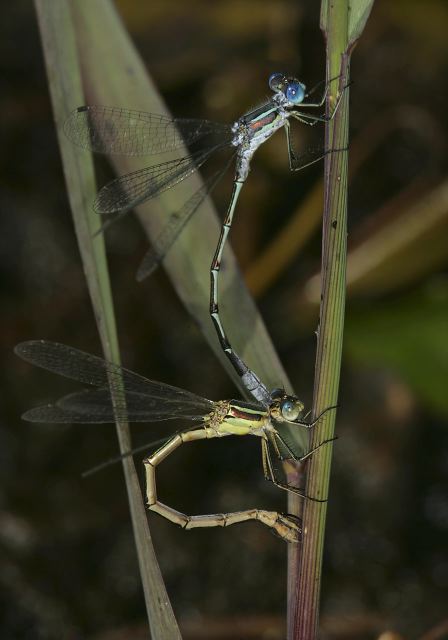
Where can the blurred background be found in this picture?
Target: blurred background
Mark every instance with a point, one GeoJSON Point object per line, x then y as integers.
{"type": "Point", "coordinates": [67, 558]}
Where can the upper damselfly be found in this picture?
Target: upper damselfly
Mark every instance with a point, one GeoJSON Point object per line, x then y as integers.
{"type": "Point", "coordinates": [121, 395]}
{"type": "Point", "coordinates": [113, 130]}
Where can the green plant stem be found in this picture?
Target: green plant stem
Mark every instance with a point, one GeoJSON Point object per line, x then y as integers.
{"type": "Point", "coordinates": [305, 621]}
{"type": "Point", "coordinates": [342, 23]}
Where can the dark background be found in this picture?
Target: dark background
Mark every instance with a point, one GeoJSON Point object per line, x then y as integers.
{"type": "Point", "coordinates": [67, 559]}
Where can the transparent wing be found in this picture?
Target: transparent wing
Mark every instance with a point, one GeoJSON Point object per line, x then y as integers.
{"type": "Point", "coordinates": [124, 193]}
{"type": "Point", "coordinates": [113, 130]}
{"type": "Point", "coordinates": [52, 414]}
{"type": "Point", "coordinates": [178, 220]}
{"type": "Point", "coordinates": [135, 398]}
{"type": "Point", "coordinates": [97, 407]}
{"type": "Point", "coordinates": [129, 405]}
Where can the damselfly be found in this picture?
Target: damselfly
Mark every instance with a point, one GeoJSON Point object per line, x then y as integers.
{"type": "Point", "coordinates": [113, 130]}
{"type": "Point", "coordinates": [120, 394]}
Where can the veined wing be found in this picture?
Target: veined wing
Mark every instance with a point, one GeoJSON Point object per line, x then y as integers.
{"type": "Point", "coordinates": [175, 225]}
{"type": "Point", "coordinates": [132, 392]}
{"type": "Point", "coordinates": [124, 193]}
{"type": "Point", "coordinates": [113, 130]}
{"type": "Point", "coordinates": [52, 414]}
{"type": "Point", "coordinates": [97, 406]}
{"type": "Point", "coordinates": [133, 406]}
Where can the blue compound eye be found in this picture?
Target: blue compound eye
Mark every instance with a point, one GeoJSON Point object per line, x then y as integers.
{"type": "Point", "coordinates": [275, 80]}
{"type": "Point", "coordinates": [295, 92]}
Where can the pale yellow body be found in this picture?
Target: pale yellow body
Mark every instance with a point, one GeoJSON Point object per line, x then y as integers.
{"type": "Point", "coordinates": [226, 419]}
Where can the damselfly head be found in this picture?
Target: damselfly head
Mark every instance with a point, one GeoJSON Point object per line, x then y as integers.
{"type": "Point", "coordinates": [285, 408]}
{"type": "Point", "coordinates": [292, 90]}
{"type": "Point", "coordinates": [291, 408]}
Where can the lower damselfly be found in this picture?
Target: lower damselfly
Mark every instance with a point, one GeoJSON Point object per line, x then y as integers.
{"type": "Point", "coordinates": [120, 131]}
{"type": "Point", "coordinates": [121, 395]}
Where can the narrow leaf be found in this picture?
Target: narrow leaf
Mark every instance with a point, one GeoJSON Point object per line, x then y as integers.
{"type": "Point", "coordinates": [58, 38]}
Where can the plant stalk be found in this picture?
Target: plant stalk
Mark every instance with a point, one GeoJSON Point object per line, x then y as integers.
{"type": "Point", "coordinates": [304, 621]}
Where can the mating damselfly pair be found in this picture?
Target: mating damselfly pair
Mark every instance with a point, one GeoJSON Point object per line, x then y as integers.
{"type": "Point", "coordinates": [123, 395]}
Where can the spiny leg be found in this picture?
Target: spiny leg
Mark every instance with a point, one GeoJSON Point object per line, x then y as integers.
{"type": "Point", "coordinates": [250, 380]}
{"type": "Point", "coordinates": [269, 471]}
{"type": "Point", "coordinates": [323, 98]}
{"type": "Point", "coordinates": [293, 158]}
{"type": "Point", "coordinates": [310, 118]}
{"type": "Point", "coordinates": [314, 449]}
{"type": "Point", "coordinates": [274, 436]}
{"type": "Point", "coordinates": [312, 423]}
{"type": "Point", "coordinates": [268, 466]}
{"type": "Point", "coordinates": [324, 95]}
{"type": "Point", "coordinates": [284, 526]}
